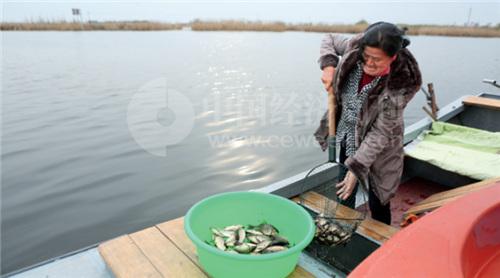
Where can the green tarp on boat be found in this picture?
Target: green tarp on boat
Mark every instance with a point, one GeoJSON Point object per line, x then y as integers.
{"type": "Point", "coordinates": [467, 151]}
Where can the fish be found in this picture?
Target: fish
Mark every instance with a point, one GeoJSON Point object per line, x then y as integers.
{"type": "Point", "coordinates": [233, 228]}
{"type": "Point", "coordinates": [268, 229]}
{"type": "Point", "coordinates": [263, 238]}
{"type": "Point", "coordinates": [330, 233]}
{"type": "Point", "coordinates": [333, 228]}
{"type": "Point", "coordinates": [261, 246]}
{"type": "Point", "coordinates": [321, 222]}
{"type": "Point", "coordinates": [230, 241]}
{"type": "Point", "coordinates": [273, 249]}
{"type": "Point", "coordinates": [279, 240]}
{"type": "Point", "coordinates": [244, 248]}
{"type": "Point", "coordinates": [254, 240]}
{"type": "Point", "coordinates": [241, 235]}
{"type": "Point", "coordinates": [254, 232]}
{"type": "Point", "coordinates": [219, 242]}
{"type": "Point", "coordinates": [227, 233]}
{"type": "Point", "coordinates": [216, 232]}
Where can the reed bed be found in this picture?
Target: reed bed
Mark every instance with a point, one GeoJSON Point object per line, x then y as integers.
{"type": "Point", "coordinates": [234, 25]}
{"type": "Point", "coordinates": [454, 31]}
{"type": "Point", "coordinates": [237, 25]}
{"type": "Point", "coordinates": [90, 26]}
{"type": "Point", "coordinates": [430, 30]}
{"type": "Point", "coordinates": [326, 28]}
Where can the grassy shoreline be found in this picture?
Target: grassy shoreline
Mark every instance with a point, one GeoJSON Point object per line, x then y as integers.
{"type": "Point", "coordinates": [90, 26]}
{"type": "Point", "coordinates": [234, 25]}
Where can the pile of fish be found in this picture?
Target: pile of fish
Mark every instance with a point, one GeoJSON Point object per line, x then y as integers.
{"type": "Point", "coordinates": [330, 233]}
{"type": "Point", "coordinates": [254, 240]}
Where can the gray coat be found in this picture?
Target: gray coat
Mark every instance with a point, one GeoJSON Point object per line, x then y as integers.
{"type": "Point", "coordinates": [380, 127]}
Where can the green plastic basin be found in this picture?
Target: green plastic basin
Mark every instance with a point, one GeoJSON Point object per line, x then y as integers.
{"type": "Point", "coordinates": [245, 208]}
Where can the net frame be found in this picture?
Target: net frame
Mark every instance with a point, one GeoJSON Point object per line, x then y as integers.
{"type": "Point", "coordinates": [333, 212]}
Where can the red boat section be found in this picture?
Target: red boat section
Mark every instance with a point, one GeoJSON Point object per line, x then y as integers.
{"type": "Point", "coordinates": [460, 239]}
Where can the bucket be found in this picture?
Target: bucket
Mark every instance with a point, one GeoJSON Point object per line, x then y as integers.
{"type": "Point", "coordinates": [248, 208]}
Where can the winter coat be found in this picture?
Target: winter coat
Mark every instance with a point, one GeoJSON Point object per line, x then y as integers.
{"type": "Point", "coordinates": [380, 126]}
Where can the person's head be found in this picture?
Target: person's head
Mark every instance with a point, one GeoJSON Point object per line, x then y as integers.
{"type": "Point", "coordinates": [380, 45]}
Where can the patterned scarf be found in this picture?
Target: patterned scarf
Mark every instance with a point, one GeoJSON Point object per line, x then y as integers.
{"type": "Point", "coordinates": [352, 101]}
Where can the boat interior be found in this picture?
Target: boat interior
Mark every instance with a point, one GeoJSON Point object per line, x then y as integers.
{"type": "Point", "coordinates": [424, 186]}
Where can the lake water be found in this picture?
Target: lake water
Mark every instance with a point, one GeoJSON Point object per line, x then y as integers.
{"type": "Point", "coordinates": [105, 133]}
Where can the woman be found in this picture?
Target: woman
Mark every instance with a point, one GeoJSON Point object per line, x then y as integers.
{"type": "Point", "coordinates": [375, 79]}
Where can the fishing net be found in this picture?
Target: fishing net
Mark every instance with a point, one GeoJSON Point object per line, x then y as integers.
{"type": "Point", "coordinates": [335, 223]}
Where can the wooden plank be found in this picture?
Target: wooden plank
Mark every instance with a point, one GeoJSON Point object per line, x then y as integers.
{"type": "Point", "coordinates": [126, 259]}
{"type": "Point", "coordinates": [459, 191]}
{"type": "Point", "coordinates": [482, 102]}
{"type": "Point", "coordinates": [419, 209]}
{"type": "Point", "coordinates": [174, 230]}
{"type": "Point", "coordinates": [368, 227]}
{"type": "Point", "coordinates": [299, 272]}
{"type": "Point", "coordinates": [164, 255]}
{"type": "Point", "coordinates": [439, 199]}
{"type": "Point", "coordinates": [320, 202]}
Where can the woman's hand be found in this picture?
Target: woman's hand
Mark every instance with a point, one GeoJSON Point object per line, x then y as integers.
{"type": "Point", "coordinates": [327, 77]}
{"type": "Point", "coordinates": [345, 187]}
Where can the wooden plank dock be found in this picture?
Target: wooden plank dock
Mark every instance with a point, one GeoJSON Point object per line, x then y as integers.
{"type": "Point", "coordinates": [163, 250]}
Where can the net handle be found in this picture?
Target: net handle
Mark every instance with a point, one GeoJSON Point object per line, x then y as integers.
{"type": "Point", "coordinates": [332, 110]}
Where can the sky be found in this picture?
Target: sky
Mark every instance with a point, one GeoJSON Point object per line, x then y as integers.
{"type": "Point", "coordinates": [411, 12]}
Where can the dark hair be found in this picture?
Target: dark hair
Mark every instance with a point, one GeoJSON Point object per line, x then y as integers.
{"type": "Point", "coordinates": [386, 36]}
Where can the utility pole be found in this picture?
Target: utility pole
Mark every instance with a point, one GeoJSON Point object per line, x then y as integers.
{"type": "Point", "coordinates": [77, 14]}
